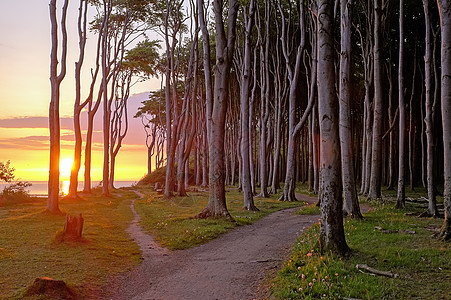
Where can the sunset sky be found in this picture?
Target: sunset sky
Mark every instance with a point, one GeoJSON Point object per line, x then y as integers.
{"type": "Point", "coordinates": [25, 96]}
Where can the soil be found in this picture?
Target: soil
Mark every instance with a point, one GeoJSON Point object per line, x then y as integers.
{"type": "Point", "coordinates": [233, 266]}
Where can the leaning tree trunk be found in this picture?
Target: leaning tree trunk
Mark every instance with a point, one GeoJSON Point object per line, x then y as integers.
{"type": "Point", "coordinates": [351, 203]}
{"type": "Point", "coordinates": [432, 205]}
{"type": "Point", "coordinates": [402, 114]}
{"type": "Point", "coordinates": [445, 25]}
{"type": "Point", "coordinates": [332, 235]}
{"type": "Point", "coordinates": [376, 155]}
{"type": "Point", "coordinates": [54, 119]}
{"type": "Point", "coordinates": [225, 44]}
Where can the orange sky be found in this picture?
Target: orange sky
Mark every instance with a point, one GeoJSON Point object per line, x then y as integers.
{"type": "Point", "coordinates": [25, 96]}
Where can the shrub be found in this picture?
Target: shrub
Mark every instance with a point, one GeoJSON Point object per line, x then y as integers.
{"type": "Point", "coordinates": [16, 191]}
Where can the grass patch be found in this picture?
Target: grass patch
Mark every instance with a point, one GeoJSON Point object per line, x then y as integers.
{"type": "Point", "coordinates": [28, 248]}
{"type": "Point", "coordinates": [312, 209]}
{"type": "Point", "coordinates": [421, 261]}
{"type": "Point", "coordinates": [171, 221]}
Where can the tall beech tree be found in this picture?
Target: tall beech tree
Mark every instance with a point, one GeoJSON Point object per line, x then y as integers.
{"type": "Point", "coordinates": [376, 155]}
{"type": "Point", "coordinates": [332, 235]}
{"type": "Point", "coordinates": [402, 113]}
{"type": "Point", "coordinates": [248, 16]}
{"type": "Point", "coordinates": [172, 25]}
{"type": "Point", "coordinates": [78, 105]}
{"type": "Point", "coordinates": [225, 43]}
{"type": "Point", "coordinates": [444, 7]}
{"type": "Point", "coordinates": [293, 78]}
{"type": "Point", "coordinates": [54, 118]}
{"type": "Point", "coordinates": [432, 203]}
{"type": "Point", "coordinates": [351, 204]}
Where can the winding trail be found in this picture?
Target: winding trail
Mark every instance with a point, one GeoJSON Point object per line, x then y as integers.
{"type": "Point", "coordinates": [232, 266]}
{"type": "Point", "coordinates": [149, 247]}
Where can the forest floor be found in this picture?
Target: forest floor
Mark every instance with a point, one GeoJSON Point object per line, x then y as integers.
{"type": "Point", "coordinates": [233, 266]}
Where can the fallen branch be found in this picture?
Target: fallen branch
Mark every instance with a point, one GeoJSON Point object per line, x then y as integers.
{"type": "Point", "coordinates": [395, 231]}
{"type": "Point", "coordinates": [376, 272]}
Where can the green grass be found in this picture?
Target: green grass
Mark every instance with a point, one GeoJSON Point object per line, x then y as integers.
{"type": "Point", "coordinates": [421, 261]}
{"type": "Point", "coordinates": [28, 249]}
{"type": "Point", "coordinates": [171, 221]}
{"type": "Point", "coordinates": [312, 209]}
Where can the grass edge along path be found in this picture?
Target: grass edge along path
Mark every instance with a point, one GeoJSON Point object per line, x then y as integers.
{"type": "Point", "coordinates": [388, 240]}
{"type": "Point", "coordinates": [171, 222]}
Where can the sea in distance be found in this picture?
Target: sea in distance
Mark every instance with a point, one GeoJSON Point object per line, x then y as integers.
{"type": "Point", "coordinates": [39, 188]}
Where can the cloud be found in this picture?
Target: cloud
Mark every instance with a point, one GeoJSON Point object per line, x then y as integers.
{"type": "Point", "coordinates": [26, 143]}
{"type": "Point", "coordinates": [34, 122]}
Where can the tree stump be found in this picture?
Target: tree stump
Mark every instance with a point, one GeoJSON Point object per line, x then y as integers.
{"type": "Point", "coordinates": [50, 288]}
{"type": "Point", "coordinates": [73, 228]}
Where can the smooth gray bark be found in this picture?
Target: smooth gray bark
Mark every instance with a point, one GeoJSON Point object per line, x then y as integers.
{"type": "Point", "coordinates": [331, 229]}
{"type": "Point", "coordinates": [445, 25]}
{"type": "Point", "coordinates": [402, 115]}
{"type": "Point", "coordinates": [244, 109]}
{"type": "Point", "coordinates": [225, 44]}
{"type": "Point", "coordinates": [376, 155]}
{"type": "Point", "coordinates": [293, 127]}
{"type": "Point", "coordinates": [264, 100]}
{"type": "Point", "coordinates": [432, 203]}
{"type": "Point", "coordinates": [351, 203]}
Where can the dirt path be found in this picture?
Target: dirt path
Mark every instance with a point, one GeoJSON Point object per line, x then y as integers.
{"type": "Point", "coordinates": [229, 267]}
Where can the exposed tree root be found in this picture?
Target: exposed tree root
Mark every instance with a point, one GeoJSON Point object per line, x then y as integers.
{"type": "Point", "coordinates": [429, 214]}
{"type": "Point", "coordinates": [288, 197]}
{"type": "Point", "coordinates": [445, 233]}
{"type": "Point", "coordinates": [251, 208]}
{"type": "Point", "coordinates": [208, 213]}
{"type": "Point", "coordinates": [353, 215]}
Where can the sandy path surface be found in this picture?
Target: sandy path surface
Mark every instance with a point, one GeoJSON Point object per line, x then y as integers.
{"type": "Point", "coordinates": [232, 266]}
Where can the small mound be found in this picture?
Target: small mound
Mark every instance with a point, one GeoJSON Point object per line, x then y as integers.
{"type": "Point", "coordinates": [157, 176]}
{"type": "Point", "coordinates": [51, 289]}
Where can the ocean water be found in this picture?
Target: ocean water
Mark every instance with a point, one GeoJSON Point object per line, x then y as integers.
{"type": "Point", "coordinates": [40, 188]}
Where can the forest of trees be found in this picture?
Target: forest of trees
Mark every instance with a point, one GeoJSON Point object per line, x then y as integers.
{"type": "Point", "coordinates": [348, 96]}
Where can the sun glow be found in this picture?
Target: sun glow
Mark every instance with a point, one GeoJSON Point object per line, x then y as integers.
{"type": "Point", "coordinates": [65, 187]}
{"type": "Point", "coordinates": [65, 168]}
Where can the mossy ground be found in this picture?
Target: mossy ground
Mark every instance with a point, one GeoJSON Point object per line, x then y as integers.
{"type": "Point", "coordinates": [420, 259]}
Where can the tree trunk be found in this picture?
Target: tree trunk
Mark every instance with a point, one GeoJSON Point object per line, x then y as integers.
{"type": "Point", "coordinates": [391, 145]}
{"type": "Point", "coordinates": [412, 126]}
{"type": "Point", "coordinates": [217, 206]}
{"type": "Point", "coordinates": [351, 203]}
{"type": "Point", "coordinates": [402, 114]}
{"type": "Point", "coordinates": [331, 230]}
{"type": "Point", "coordinates": [376, 155]}
{"type": "Point", "coordinates": [106, 107]}
{"type": "Point", "coordinates": [82, 19]}
{"type": "Point", "coordinates": [244, 110]}
{"type": "Point", "coordinates": [432, 205]}
{"type": "Point", "coordinates": [445, 25]}
{"type": "Point", "coordinates": [293, 128]}
{"type": "Point", "coordinates": [264, 107]}
{"type": "Point", "coordinates": [54, 119]}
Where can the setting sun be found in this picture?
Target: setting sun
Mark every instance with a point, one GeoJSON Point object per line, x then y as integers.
{"type": "Point", "coordinates": [65, 167]}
